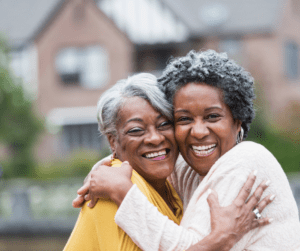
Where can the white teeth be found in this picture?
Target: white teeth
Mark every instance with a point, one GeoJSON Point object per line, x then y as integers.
{"type": "Point", "coordinates": [155, 154]}
{"type": "Point", "coordinates": [204, 153]}
{"type": "Point", "coordinates": [202, 148]}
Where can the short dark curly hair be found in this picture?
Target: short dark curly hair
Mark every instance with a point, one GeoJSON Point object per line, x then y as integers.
{"type": "Point", "coordinates": [214, 69]}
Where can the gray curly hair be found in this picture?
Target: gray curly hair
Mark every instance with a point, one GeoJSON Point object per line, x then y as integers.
{"type": "Point", "coordinates": [143, 85]}
{"type": "Point", "coordinates": [214, 69]}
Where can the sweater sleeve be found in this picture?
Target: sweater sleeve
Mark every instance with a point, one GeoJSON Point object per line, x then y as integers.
{"type": "Point", "coordinates": [152, 231]}
{"type": "Point", "coordinates": [227, 177]}
{"type": "Point", "coordinates": [148, 228]}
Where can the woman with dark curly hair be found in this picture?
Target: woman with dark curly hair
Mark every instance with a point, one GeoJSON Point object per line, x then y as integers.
{"type": "Point", "coordinates": [212, 101]}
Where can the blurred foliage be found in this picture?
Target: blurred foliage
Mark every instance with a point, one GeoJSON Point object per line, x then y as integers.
{"type": "Point", "coordinates": [19, 126]}
{"type": "Point", "coordinates": [283, 144]}
{"type": "Point", "coordinates": [77, 164]}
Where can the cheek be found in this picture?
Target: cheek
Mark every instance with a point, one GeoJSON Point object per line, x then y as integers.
{"type": "Point", "coordinates": [180, 134]}
{"type": "Point", "coordinates": [228, 137]}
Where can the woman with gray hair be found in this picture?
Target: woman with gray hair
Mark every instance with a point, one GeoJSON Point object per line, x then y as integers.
{"type": "Point", "coordinates": [136, 118]}
{"type": "Point", "coordinates": [212, 100]}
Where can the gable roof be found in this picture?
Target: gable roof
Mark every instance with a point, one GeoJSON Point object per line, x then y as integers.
{"type": "Point", "coordinates": [227, 17]}
{"type": "Point", "coordinates": [20, 20]}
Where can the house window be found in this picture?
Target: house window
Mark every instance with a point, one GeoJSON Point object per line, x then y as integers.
{"type": "Point", "coordinates": [150, 59]}
{"type": "Point", "coordinates": [84, 136]}
{"type": "Point", "coordinates": [83, 66]}
{"type": "Point", "coordinates": [291, 60]}
{"type": "Point", "coordinates": [296, 7]}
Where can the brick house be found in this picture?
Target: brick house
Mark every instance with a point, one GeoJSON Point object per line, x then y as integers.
{"type": "Point", "coordinates": [65, 40]}
{"type": "Point", "coordinates": [263, 36]}
{"type": "Point", "coordinates": [71, 52]}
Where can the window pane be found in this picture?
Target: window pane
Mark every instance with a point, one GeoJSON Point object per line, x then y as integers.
{"type": "Point", "coordinates": [85, 66]}
{"type": "Point", "coordinates": [82, 136]}
{"type": "Point", "coordinates": [291, 60]}
{"type": "Point", "coordinates": [67, 61]}
{"type": "Point", "coordinates": [95, 68]}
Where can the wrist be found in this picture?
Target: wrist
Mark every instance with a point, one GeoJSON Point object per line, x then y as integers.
{"type": "Point", "coordinates": [119, 194]}
{"type": "Point", "coordinates": [223, 241]}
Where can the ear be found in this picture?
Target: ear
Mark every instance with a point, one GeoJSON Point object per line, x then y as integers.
{"type": "Point", "coordinates": [238, 124]}
{"type": "Point", "coordinates": [112, 139]}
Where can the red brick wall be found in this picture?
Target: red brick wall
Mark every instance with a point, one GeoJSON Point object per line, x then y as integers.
{"type": "Point", "coordinates": [77, 23]}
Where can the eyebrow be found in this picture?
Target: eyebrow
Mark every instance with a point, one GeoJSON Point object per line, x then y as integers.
{"type": "Point", "coordinates": [207, 109]}
{"type": "Point", "coordinates": [181, 110]}
{"type": "Point", "coordinates": [134, 119]}
{"type": "Point", "coordinates": [139, 120]}
{"type": "Point", "coordinates": [213, 107]}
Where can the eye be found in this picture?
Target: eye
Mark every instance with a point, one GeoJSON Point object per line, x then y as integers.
{"type": "Point", "coordinates": [213, 116]}
{"type": "Point", "coordinates": [135, 131]}
{"type": "Point", "coordinates": [183, 119]}
{"type": "Point", "coordinates": [165, 124]}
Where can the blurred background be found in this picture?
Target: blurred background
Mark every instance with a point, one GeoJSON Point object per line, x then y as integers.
{"type": "Point", "coordinates": [58, 56]}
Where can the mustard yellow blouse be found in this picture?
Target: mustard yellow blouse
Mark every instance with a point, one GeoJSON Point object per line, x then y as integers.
{"type": "Point", "coordinates": [96, 230]}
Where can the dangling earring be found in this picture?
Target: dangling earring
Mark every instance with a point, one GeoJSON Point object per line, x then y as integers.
{"type": "Point", "coordinates": [240, 136]}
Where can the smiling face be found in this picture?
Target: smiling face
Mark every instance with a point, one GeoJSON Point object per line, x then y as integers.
{"type": "Point", "coordinates": [146, 139]}
{"type": "Point", "coordinates": [204, 126]}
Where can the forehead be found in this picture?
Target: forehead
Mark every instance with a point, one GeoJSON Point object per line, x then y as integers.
{"type": "Point", "coordinates": [198, 93]}
{"type": "Point", "coordinates": [136, 107]}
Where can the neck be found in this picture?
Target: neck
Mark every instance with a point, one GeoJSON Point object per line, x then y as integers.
{"type": "Point", "coordinates": [159, 186]}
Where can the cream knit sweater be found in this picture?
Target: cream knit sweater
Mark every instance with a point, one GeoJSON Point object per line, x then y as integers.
{"type": "Point", "coordinates": [152, 231]}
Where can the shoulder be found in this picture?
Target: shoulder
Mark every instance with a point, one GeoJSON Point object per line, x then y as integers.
{"type": "Point", "coordinates": [247, 152]}
{"type": "Point", "coordinates": [245, 157]}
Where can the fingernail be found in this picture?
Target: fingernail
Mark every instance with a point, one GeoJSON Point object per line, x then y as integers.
{"type": "Point", "coordinates": [85, 197]}
{"type": "Point", "coordinates": [89, 205]}
{"type": "Point", "coordinates": [126, 162]}
{"type": "Point", "coordinates": [272, 197]}
{"type": "Point", "coordinates": [208, 191]}
{"type": "Point", "coordinates": [271, 220]}
{"type": "Point", "coordinates": [255, 173]}
{"type": "Point", "coordinates": [268, 182]}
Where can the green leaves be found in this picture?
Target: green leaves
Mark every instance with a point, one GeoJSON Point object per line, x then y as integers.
{"type": "Point", "coordinates": [19, 126]}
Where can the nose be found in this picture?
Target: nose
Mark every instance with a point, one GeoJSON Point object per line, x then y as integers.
{"type": "Point", "coordinates": [199, 129]}
{"type": "Point", "coordinates": [154, 137]}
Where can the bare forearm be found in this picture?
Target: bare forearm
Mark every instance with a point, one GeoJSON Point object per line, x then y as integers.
{"type": "Point", "coordinates": [213, 242]}
{"type": "Point", "coordinates": [119, 194]}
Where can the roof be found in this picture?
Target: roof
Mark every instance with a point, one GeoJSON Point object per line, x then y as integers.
{"type": "Point", "coordinates": [224, 17]}
{"type": "Point", "coordinates": [20, 20]}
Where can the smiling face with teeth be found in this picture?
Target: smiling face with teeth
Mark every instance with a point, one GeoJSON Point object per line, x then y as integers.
{"type": "Point", "coordinates": [204, 125]}
{"type": "Point", "coordinates": [146, 139]}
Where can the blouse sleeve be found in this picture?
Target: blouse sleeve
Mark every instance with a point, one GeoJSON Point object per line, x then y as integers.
{"type": "Point", "coordinates": [148, 228]}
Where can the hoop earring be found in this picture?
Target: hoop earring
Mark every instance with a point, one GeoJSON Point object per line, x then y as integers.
{"type": "Point", "coordinates": [240, 136]}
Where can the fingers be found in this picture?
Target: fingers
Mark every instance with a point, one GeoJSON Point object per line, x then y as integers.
{"type": "Point", "coordinates": [212, 199]}
{"type": "Point", "coordinates": [266, 201]}
{"type": "Point", "coordinates": [246, 189]}
{"type": "Point", "coordinates": [255, 197]}
{"type": "Point", "coordinates": [87, 197]}
{"type": "Point", "coordinates": [84, 189]}
{"type": "Point", "coordinates": [78, 202]}
{"type": "Point", "coordinates": [261, 222]}
{"type": "Point", "coordinates": [92, 203]}
{"type": "Point", "coordinates": [126, 164]}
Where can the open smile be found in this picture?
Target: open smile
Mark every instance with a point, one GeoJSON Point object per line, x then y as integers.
{"type": "Point", "coordinates": [204, 151]}
{"type": "Point", "coordinates": [157, 155]}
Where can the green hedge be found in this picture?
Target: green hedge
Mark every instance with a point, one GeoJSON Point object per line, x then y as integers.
{"type": "Point", "coordinates": [285, 148]}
